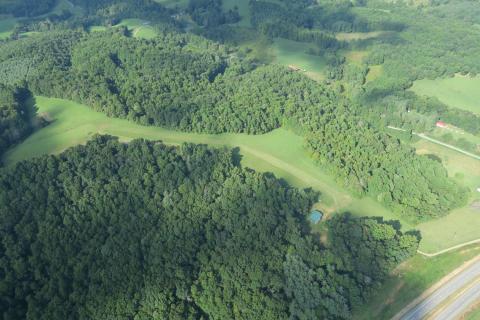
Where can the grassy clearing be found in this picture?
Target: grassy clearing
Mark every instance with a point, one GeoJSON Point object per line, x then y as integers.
{"type": "Point", "coordinates": [139, 28]}
{"type": "Point", "coordinates": [243, 9]}
{"type": "Point", "coordinates": [352, 36]}
{"type": "Point", "coordinates": [462, 224]}
{"type": "Point", "coordinates": [461, 92]}
{"type": "Point", "coordinates": [294, 53]}
{"type": "Point", "coordinates": [280, 152]}
{"type": "Point", "coordinates": [355, 56]}
{"type": "Point", "coordinates": [7, 24]}
{"type": "Point", "coordinates": [374, 72]}
{"type": "Point", "coordinates": [410, 280]}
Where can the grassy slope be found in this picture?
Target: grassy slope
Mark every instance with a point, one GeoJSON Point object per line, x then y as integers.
{"type": "Point", "coordinates": [288, 52]}
{"type": "Point", "coordinates": [461, 92]}
{"type": "Point", "coordinates": [6, 26]}
{"type": "Point", "coordinates": [280, 152]}
{"type": "Point", "coordinates": [410, 280]}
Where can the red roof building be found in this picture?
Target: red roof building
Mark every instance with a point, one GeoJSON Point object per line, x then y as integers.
{"type": "Point", "coordinates": [441, 124]}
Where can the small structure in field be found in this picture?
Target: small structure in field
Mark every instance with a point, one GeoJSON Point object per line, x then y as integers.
{"type": "Point", "coordinates": [316, 216]}
{"type": "Point", "coordinates": [441, 124]}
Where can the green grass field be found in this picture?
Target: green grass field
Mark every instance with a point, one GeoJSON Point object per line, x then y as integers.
{"type": "Point", "coordinates": [461, 92]}
{"type": "Point", "coordinates": [7, 24]}
{"type": "Point", "coordinates": [293, 53]}
{"type": "Point", "coordinates": [462, 224]}
{"type": "Point", "coordinates": [139, 28]}
{"type": "Point", "coordinates": [280, 152]}
{"type": "Point", "coordinates": [410, 280]}
{"type": "Point", "coordinates": [173, 3]}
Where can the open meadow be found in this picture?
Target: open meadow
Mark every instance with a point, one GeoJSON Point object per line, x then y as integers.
{"type": "Point", "coordinates": [295, 54]}
{"type": "Point", "coordinates": [462, 92]}
{"type": "Point", "coordinates": [280, 152]}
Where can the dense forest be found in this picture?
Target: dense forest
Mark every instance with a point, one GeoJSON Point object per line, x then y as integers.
{"type": "Point", "coordinates": [142, 230]}
{"type": "Point", "coordinates": [26, 8]}
{"type": "Point", "coordinates": [185, 82]}
{"type": "Point", "coordinates": [16, 116]}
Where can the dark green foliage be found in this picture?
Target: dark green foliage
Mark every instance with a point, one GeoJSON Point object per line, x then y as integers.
{"type": "Point", "coordinates": [115, 231]}
{"type": "Point", "coordinates": [26, 8]}
{"type": "Point", "coordinates": [15, 116]}
{"type": "Point", "coordinates": [291, 23]}
{"type": "Point", "coordinates": [186, 82]}
{"type": "Point", "coordinates": [209, 13]}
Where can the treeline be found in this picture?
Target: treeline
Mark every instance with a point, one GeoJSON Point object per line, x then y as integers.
{"type": "Point", "coordinates": [143, 230]}
{"type": "Point", "coordinates": [185, 82]}
{"type": "Point", "coordinates": [210, 13]}
{"type": "Point", "coordinates": [26, 8]}
{"type": "Point", "coordinates": [290, 22]}
{"type": "Point", "coordinates": [16, 116]}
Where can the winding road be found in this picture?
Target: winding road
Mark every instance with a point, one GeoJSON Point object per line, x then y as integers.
{"type": "Point", "coordinates": [450, 298]}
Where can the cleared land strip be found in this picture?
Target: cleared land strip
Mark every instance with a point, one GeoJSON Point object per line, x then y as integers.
{"type": "Point", "coordinates": [433, 298]}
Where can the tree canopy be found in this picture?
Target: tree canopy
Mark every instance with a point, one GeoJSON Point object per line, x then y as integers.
{"type": "Point", "coordinates": [144, 231]}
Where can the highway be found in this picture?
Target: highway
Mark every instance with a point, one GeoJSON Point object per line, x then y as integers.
{"type": "Point", "coordinates": [461, 303]}
{"type": "Point", "coordinates": [460, 281]}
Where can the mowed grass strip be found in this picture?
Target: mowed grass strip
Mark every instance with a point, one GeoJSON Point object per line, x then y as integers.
{"type": "Point", "coordinates": [280, 152]}
{"type": "Point", "coordinates": [462, 92]}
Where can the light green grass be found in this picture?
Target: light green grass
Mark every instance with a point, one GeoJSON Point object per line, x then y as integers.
{"type": "Point", "coordinates": [461, 92]}
{"type": "Point", "coordinates": [97, 28]}
{"type": "Point", "coordinates": [139, 28]}
{"type": "Point", "coordinates": [7, 24]}
{"type": "Point", "coordinates": [410, 280]}
{"type": "Point", "coordinates": [280, 152]}
{"type": "Point", "coordinates": [462, 224]}
{"type": "Point", "coordinates": [374, 72]}
{"type": "Point", "coordinates": [294, 53]}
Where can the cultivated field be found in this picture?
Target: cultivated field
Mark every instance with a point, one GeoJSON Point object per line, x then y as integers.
{"type": "Point", "coordinates": [352, 36]}
{"type": "Point", "coordinates": [280, 152]}
{"type": "Point", "coordinates": [461, 92]}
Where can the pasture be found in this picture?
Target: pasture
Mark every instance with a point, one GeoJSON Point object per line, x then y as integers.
{"type": "Point", "coordinates": [295, 54]}
{"type": "Point", "coordinates": [280, 152]}
{"type": "Point", "coordinates": [462, 92]}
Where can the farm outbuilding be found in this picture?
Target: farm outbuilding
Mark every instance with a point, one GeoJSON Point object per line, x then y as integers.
{"type": "Point", "coordinates": [441, 124]}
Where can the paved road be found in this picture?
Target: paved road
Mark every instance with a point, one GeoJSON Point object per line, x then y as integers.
{"type": "Point", "coordinates": [461, 304]}
{"type": "Point", "coordinates": [461, 280]}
